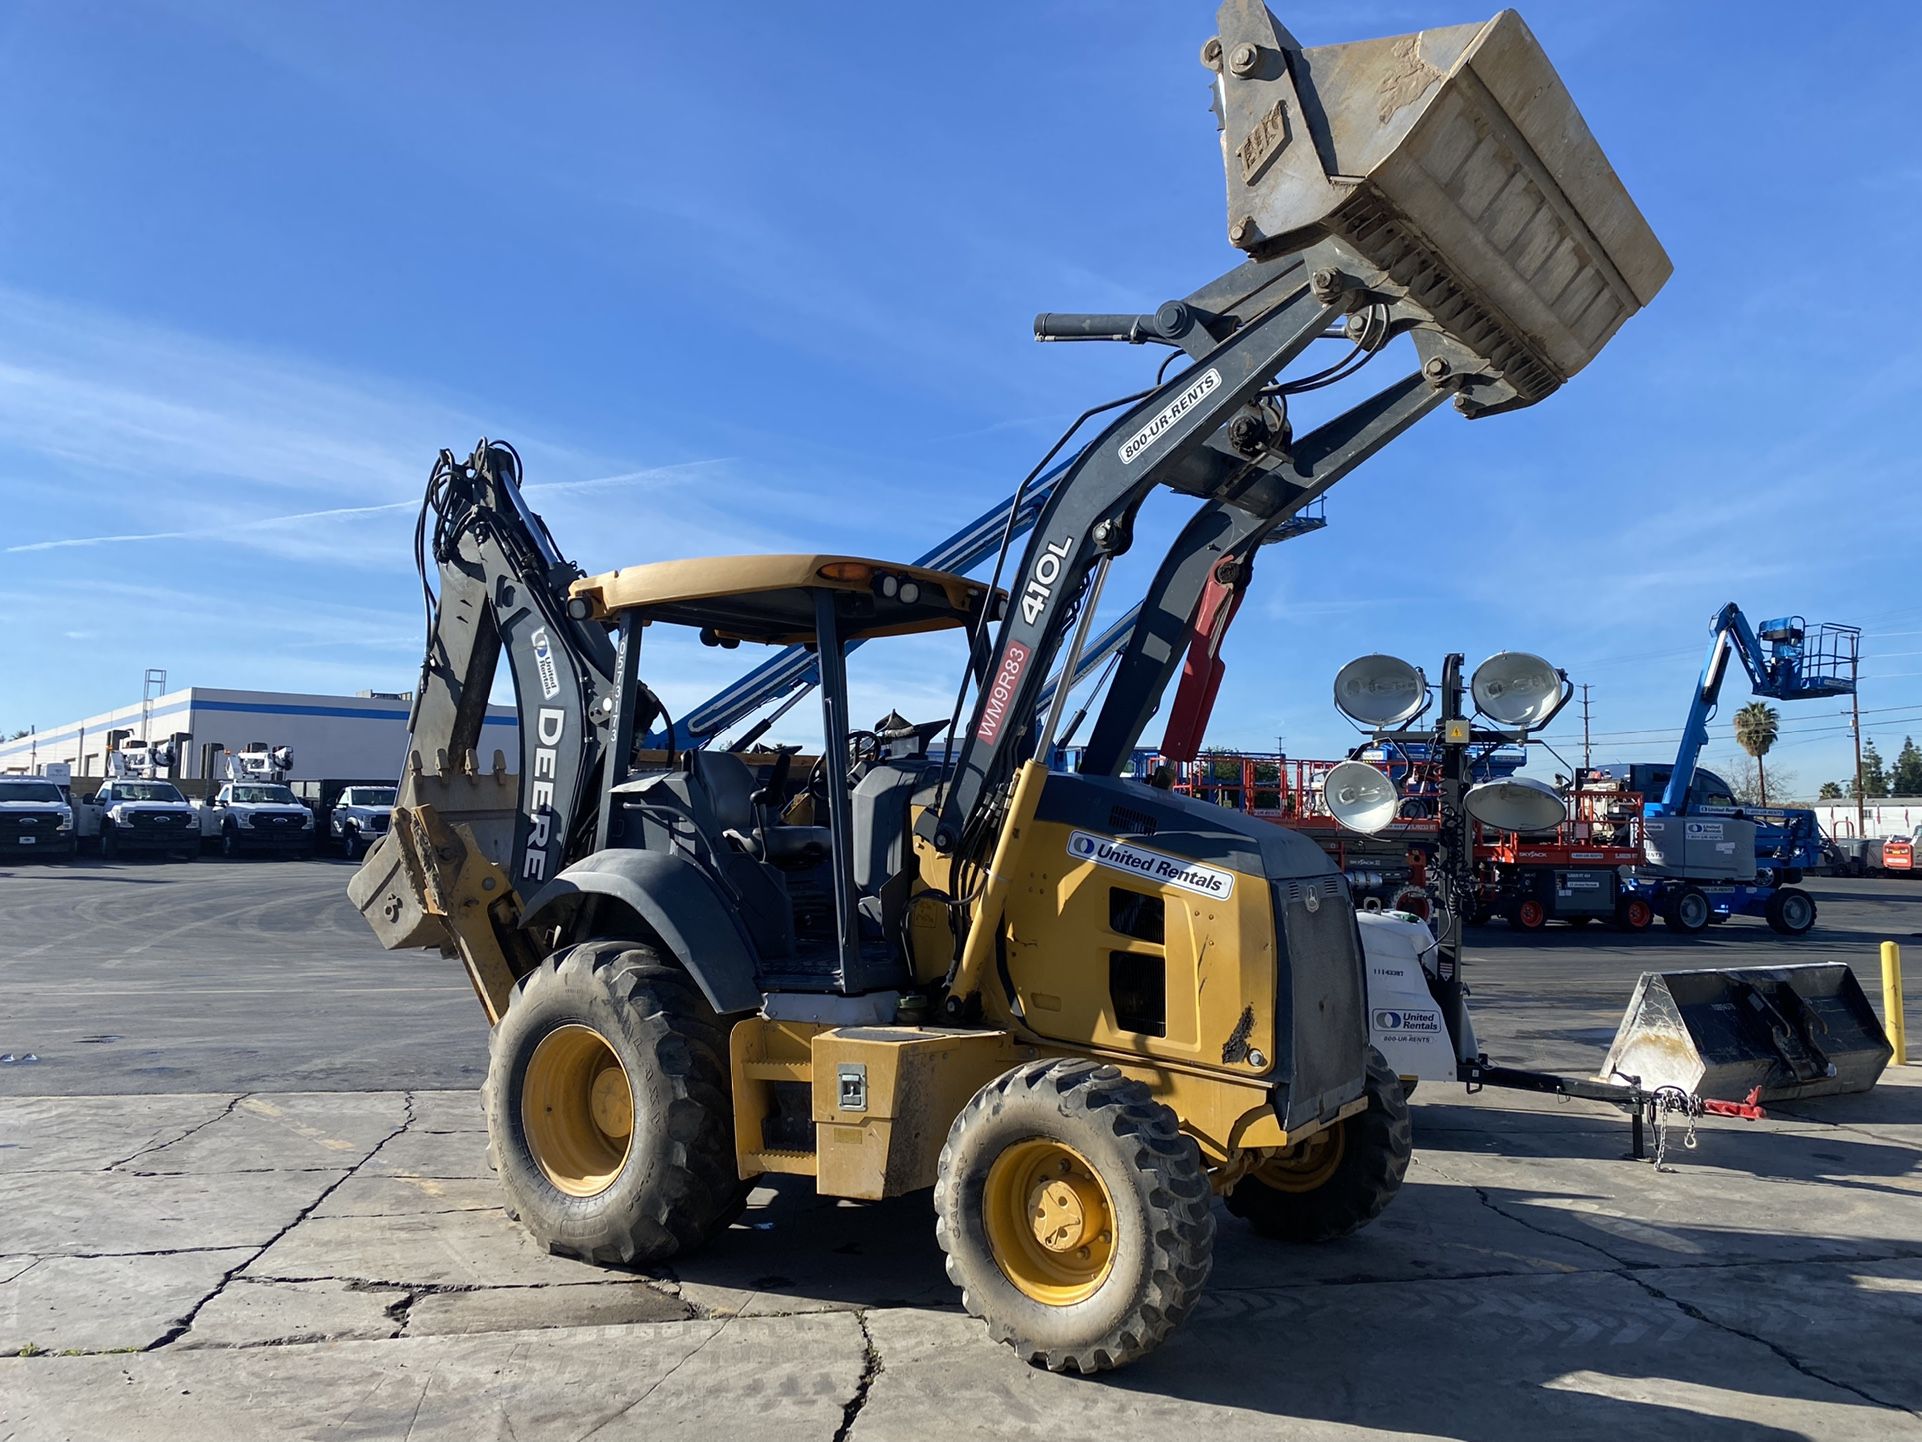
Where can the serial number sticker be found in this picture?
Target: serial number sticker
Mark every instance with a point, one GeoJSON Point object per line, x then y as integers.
{"type": "Point", "coordinates": [1154, 865]}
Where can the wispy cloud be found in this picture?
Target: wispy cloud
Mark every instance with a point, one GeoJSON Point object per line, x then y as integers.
{"type": "Point", "coordinates": [243, 527]}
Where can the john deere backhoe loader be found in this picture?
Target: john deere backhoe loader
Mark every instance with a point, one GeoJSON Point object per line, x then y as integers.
{"type": "Point", "coordinates": [1078, 1007]}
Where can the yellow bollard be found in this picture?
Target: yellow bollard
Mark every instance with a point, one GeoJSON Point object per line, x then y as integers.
{"type": "Point", "coordinates": [1892, 1021]}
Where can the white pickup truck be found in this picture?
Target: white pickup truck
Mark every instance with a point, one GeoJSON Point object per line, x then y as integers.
{"type": "Point", "coordinates": [36, 823]}
{"type": "Point", "coordinates": [257, 816]}
{"type": "Point", "coordinates": [134, 815]}
{"type": "Point", "coordinates": [360, 818]}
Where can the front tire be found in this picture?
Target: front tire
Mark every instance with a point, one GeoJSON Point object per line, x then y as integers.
{"type": "Point", "coordinates": [1790, 911]}
{"type": "Point", "coordinates": [608, 1107]}
{"type": "Point", "coordinates": [1338, 1180]}
{"type": "Point", "coordinates": [350, 846]}
{"type": "Point", "coordinates": [230, 841]}
{"type": "Point", "coordinates": [1075, 1215]}
{"type": "Point", "coordinates": [109, 842]}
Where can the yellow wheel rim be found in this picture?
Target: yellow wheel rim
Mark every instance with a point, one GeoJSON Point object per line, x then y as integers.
{"type": "Point", "coordinates": [1306, 1165]}
{"type": "Point", "coordinates": [1050, 1222]}
{"type": "Point", "coordinates": [577, 1110]}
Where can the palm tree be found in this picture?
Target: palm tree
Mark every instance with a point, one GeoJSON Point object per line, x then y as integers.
{"type": "Point", "coordinates": [1756, 727]}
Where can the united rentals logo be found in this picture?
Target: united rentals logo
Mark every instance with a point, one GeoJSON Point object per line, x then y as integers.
{"type": "Point", "coordinates": [1174, 870]}
{"type": "Point", "coordinates": [1426, 1022]}
{"type": "Point", "coordinates": [544, 663]}
{"type": "Point", "coordinates": [1201, 387]}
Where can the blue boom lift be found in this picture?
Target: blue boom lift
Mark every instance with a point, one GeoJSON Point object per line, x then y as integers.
{"type": "Point", "coordinates": [1711, 859]}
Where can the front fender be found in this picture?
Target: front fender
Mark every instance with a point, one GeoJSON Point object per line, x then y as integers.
{"type": "Point", "coordinates": [684, 908]}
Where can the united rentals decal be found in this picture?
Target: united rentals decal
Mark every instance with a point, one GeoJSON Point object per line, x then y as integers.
{"type": "Point", "coordinates": [544, 663]}
{"type": "Point", "coordinates": [1198, 390]}
{"type": "Point", "coordinates": [1426, 1022]}
{"type": "Point", "coordinates": [1174, 870]}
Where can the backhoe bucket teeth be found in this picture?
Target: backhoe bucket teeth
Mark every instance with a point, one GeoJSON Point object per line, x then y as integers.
{"type": "Point", "coordinates": [1449, 167]}
{"type": "Point", "coordinates": [387, 887]}
{"type": "Point", "coordinates": [1792, 1031]}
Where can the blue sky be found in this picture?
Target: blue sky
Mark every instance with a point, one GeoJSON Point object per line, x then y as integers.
{"type": "Point", "coordinates": [761, 279]}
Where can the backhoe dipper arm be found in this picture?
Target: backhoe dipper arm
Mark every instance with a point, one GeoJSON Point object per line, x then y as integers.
{"type": "Point", "coordinates": [1087, 520]}
{"type": "Point", "coordinates": [503, 585]}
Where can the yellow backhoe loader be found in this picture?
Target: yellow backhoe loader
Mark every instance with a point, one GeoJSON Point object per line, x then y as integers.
{"type": "Point", "coordinates": [1078, 1007]}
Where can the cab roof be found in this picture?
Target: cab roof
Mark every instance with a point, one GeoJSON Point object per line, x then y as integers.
{"type": "Point", "coordinates": [770, 599]}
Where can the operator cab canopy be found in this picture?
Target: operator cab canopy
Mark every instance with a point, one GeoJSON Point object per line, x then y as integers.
{"type": "Point", "coordinates": [778, 600]}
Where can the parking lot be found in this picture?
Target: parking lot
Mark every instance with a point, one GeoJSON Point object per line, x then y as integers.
{"type": "Point", "coordinates": [244, 1190]}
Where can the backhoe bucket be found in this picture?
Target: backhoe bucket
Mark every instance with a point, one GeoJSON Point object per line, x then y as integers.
{"type": "Point", "coordinates": [1792, 1031]}
{"type": "Point", "coordinates": [1450, 166]}
{"type": "Point", "coordinates": [387, 887]}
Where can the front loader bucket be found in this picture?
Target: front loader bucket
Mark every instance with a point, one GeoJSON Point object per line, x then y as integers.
{"type": "Point", "coordinates": [1450, 166]}
{"type": "Point", "coordinates": [1792, 1031]}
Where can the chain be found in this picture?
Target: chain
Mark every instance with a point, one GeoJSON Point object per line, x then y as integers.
{"type": "Point", "coordinates": [1664, 1103]}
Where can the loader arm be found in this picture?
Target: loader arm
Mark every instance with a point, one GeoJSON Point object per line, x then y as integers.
{"type": "Point", "coordinates": [1442, 184]}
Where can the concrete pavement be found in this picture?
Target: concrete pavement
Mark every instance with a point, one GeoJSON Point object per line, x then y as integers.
{"type": "Point", "coordinates": [244, 1193]}
{"type": "Point", "coordinates": [336, 1265]}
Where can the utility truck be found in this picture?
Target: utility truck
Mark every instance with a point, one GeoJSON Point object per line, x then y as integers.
{"type": "Point", "coordinates": [36, 821]}
{"type": "Point", "coordinates": [256, 811]}
{"type": "Point", "coordinates": [359, 818]}
{"type": "Point", "coordinates": [1075, 1006]}
{"type": "Point", "coordinates": [135, 814]}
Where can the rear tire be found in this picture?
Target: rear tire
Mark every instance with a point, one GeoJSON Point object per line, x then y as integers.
{"type": "Point", "coordinates": [1322, 1190]}
{"type": "Point", "coordinates": [1527, 914]}
{"type": "Point", "coordinates": [1688, 911]}
{"type": "Point", "coordinates": [1075, 1215]}
{"type": "Point", "coordinates": [603, 1037]}
{"type": "Point", "coordinates": [1790, 912]}
{"type": "Point", "coordinates": [1634, 914]}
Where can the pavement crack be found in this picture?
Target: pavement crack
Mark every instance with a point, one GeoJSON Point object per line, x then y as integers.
{"type": "Point", "coordinates": [614, 1417]}
{"type": "Point", "coordinates": [1633, 1272]}
{"type": "Point", "coordinates": [185, 1323]}
{"type": "Point", "coordinates": [1689, 1309]}
{"type": "Point", "coordinates": [870, 1369]}
{"type": "Point", "coordinates": [223, 1113]}
{"type": "Point", "coordinates": [1481, 1195]}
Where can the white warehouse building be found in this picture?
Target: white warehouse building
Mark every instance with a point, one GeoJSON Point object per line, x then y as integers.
{"type": "Point", "coordinates": [359, 738]}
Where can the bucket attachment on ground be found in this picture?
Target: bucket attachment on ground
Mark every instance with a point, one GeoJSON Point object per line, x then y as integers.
{"type": "Point", "coordinates": [1791, 1031]}
{"type": "Point", "coordinates": [1450, 166]}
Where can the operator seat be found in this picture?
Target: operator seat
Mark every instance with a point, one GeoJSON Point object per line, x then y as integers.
{"type": "Point", "coordinates": [746, 815]}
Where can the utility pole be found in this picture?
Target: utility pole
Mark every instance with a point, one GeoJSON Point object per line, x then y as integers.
{"type": "Point", "coordinates": [1588, 758]}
